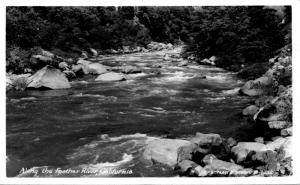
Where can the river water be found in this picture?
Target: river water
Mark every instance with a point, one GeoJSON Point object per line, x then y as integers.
{"type": "Point", "coordinates": [105, 125]}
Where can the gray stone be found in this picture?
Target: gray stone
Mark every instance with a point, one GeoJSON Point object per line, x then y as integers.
{"type": "Point", "coordinates": [287, 131]}
{"type": "Point", "coordinates": [110, 76]}
{"type": "Point", "coordinates": [164, 151]}
{"type": "Point", "coordinates": [250, 110]}
{"type": "Point", "coordinates": [48, 77]}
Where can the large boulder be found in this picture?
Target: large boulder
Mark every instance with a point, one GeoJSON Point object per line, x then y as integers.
{"type": "Point", "coordinates": [48, 77]}
{"type": "Point", "coordinates": [164, 151]}
{"type": "Point", "coordinates": [242, 149]}
{"type": "Point", "coordinates": [110, 76]}
{"type": "Point", "coordinates": [257, 87]}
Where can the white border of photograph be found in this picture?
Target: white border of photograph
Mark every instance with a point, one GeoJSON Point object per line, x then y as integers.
{"type": "Point", "coordinates": [295, 179]}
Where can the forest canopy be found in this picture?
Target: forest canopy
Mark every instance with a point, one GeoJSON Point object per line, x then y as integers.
{"type": "Point", "coordinates": [237, 35]}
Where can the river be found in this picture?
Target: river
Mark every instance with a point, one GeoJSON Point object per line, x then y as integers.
{"type": "Point", "coordinates": [102, 125]}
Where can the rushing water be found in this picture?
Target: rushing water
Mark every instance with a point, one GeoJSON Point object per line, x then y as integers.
{"type": "Point", "coordinates": [104, 125]}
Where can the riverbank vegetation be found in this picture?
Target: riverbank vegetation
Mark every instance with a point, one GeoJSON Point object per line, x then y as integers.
{"type": "Point", "coordinates": [235, 35]}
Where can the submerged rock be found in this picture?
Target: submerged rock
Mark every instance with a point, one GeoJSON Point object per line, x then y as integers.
{"type": "Point", "coordinates": [127, 69]}
{"type": "Point", "coordinates": [48, 77]}
{"type": "Point", "coordinates": [111, 76]}
{"type": "Point", "coordinates": [164, 151]}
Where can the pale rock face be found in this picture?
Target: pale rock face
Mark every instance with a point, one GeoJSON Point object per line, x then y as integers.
{"type": "Point", "coordinates": [164, 151]}
{"type": "Point", "coordinates": [48, 77]}
{"type": "Point", "coordinates": [111, 76]}
{"type": "Point", "coordinates": [250, 110]}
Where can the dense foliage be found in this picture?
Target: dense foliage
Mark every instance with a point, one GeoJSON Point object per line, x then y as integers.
{"type": "Point", "coordinates": [73, 28]}
{"type": "Point", "coordinates": [238, 36]}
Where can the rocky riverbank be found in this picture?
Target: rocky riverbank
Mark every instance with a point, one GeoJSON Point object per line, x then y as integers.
{"type": "Point", "coordinates": [46, 70]}
{"type": "Point", "coordinates": [207, 155]}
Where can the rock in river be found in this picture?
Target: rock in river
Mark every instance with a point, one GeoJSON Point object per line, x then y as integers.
{"type": "Point", "coordinates": [250, 110]}
{"type": "Point", "coordinates": [95, 68]}
{"type": "Point", "coordinates": [111, 76]}
{"type": "Point", "coordinates": [164, 151]}
{"type": "Point", "coordinates": [257, 87]}
{"type": "Point", "coordinates": [48, 77]}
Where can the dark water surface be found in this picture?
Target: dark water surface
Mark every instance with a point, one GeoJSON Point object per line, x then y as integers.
{"type": "Point", "coordinates": [106, 125]}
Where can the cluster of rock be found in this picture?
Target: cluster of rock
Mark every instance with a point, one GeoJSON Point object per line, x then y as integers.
{"type": "Point", "coordinates": [272, 110]}
{"type": "Point", "coordinates": [209, 155]}
{"type": "Point", "coordinates": [152, 46]}
{"type": "Point", "coordinates": [54, 72]}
